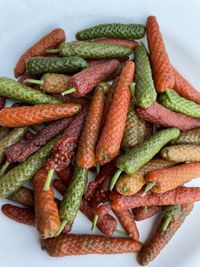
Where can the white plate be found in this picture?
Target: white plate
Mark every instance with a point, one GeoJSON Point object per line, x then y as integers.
{"type": "Point", "coordinates": [21, 24]}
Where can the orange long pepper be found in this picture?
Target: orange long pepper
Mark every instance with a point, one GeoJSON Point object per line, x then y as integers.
{"type": "Point", "coordinates": [27, 115]}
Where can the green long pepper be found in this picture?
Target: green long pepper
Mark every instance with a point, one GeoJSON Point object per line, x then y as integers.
{"type": "Point", "coordinates": [15, 178]}
{"type": "Point", "coordinates": [90, 50]}
{"type": "Point", "coordinates": [14, 90]}
{"type": "Point", "coordinates": [114, 30]}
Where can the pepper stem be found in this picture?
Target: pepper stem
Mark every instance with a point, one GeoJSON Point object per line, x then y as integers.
{"type": "Point", "coordinates": [132, 87]}
{"type": "Point", "coordinates": [166, 222]}
{"type": "Point", "coordinates": [48, 180]}
{"type": "Point", "coordinates": [40, 82]}
{"type": "Point", "coordinates": [145, 209]}
{"type": "Point", "coordinates": [115, 178]}
{"type": "Point", "coordinates": [121, 232]}
{"type": "Point", "coordinates": [94, 222]}
{"type": "Point", "coordinates": [69, 91]}
{"type": "Point", "coordinates": [98, 168]}
{"type": "Point", "coordinates": [52, 51]}
{"type": "Point", "coordinates": [148, 187]}
{"type": "Point", "coordinates": [62, 226]}
{"type": "Point", "coordinates": [4, 167]}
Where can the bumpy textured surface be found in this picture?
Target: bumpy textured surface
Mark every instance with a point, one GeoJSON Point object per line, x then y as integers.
{"type": "Point", "coordinates": [163, 73]}
{"type": "Point", "coordinates": [3, 132]}
{"type": "Point", "coordinates": [14, 90]}
{"type": "Point", "coordinates": [168, 118]}
{"type": "Point", "coordinates": [20, 152]}
{"type": "Point", "coordinates": [181, 153]}
{"type": "Point", "coordinates": [51, 40]}
{"type": "Point", "coordinates": [169, 178]}
{"type": "Point", "coordinates": [11, 138]}
{"type": "Point", "coordinates": [126, 219]}
{"type": "Point", "coordinates": [136, 157]}
{"type": "Point", "coordinates": [90, 77]}
{"type": "Point", "coordinates": [184, 88]}
{"type": "Point", "coordinates": [23, 196]}
{"type": "Point", "coordinates": [15, 178]}
{"type": "Point", "coordinates": [54, 83]}
{"type": "Point", "coordinates": [143, 213]}
{"type": "Point", "coordinates": [72, 198]}
{"type": "Point", "coordinates": [188, 137]}
{"type": "Point", "coordinates": [180, 195]}
{"type": "Point", "coordinates": [22, 116]}
{"type": "Point", "coordinates": [90, 50]}
{"type": "Point", "coordinates": [123, 42]}
{"type": "Point", "coordinates": [66, 174]}
{"type": "Point", "coordinates": [67, 245]}
{"type": "Point", "coordinates": [160, 239]}
{"type": "Point", "coordinates": [85, 157]}
{"type": "Point", "coordinates": [115, 30]}
{"type": "Point", "coordinates": [2, 102]}
{"type": "Point", "coordinates": [145, 90]}
{"type": "Point", "coordinates": [170, 99]}
{"type": "Point", "coordinates": [42, 65]}
{"type": "Point", "coordinates": [135, 129]}
{"type": "Point", "coordinates": [46, 211]}
{"type": "Point", "coordinates": [130, 184]}
{"type": "Point", "coordinates": [18, 214]}
{"type": "Point", "coordinates": [112, 133]}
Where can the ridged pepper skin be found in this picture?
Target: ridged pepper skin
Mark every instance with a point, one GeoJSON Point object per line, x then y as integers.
{"type": "Point", "coordinates": [181, 153]}
{"type": "Point", "coordinates": [160, 239]}
{"type": "Point", "coordinates": [114, 30]}
{"type": "Point", "coordinates": [46, 210]}
{"type": "Point", "coordinates": [90, 50]}
{"type": "Point", "coordinates": [145, 91]}
{"type": "Point", "coordinates": [54, 83]}
{"type": "Point", "coordinates": [51, 40]}
{"type": "Point", "coordinates": [136, 157]}
{"type": "Point", "coordinates": [68, 245]}
{"type": "Point", "coordinates": [14, 90]}
{"type": "Point", "coordinates": [23, 196]}
{"type": "Point", "coordinates": [163, 116]}
{"type": "Point", "coordinates": [172, 100]}
{"type": "Point", "coordinates": [112, 133]}
{"type": "Point", "coordinates": [41, 65]}
{"type": "Point", "coordinates": [15, 178]}
{"type": "Point", "coordinates": [10, 139]}
{"type": "Point", "coordinates": [72, 198]}
{"type": "Point", "coordinates": [116, 41]}
{"type": "Point", "coordinates": [188, 137]}
{"type": "Point", "coordinates": [163, 73]}
{"type": "Point", "coordinates": [143, 213]}
{"type": "Point", "coordinates": [85, 157]}
{"type": "Point", "coordinates": [26, 115]}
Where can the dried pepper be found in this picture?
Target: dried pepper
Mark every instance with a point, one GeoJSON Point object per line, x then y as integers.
{"type": "Point", "coordinates": [123, 42]}
{"type": "Point", "coordinates": [188, 137]}
{"type": "Point", "coordinates": [3, 132]}
{"type": "Point", "coordinates": [23, 196]}
{"type": "Point", "coordinates": [143, 213]}
{"type": "Point", "coordinates": [65, 174]}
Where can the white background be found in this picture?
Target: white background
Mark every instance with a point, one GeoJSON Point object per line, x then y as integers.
{"type": "Point", "coordinates": [22, 22]}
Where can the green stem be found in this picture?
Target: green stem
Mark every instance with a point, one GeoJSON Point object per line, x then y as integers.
{"type": "Point", "coordinates": [132, 87]}
{"type": "Point", "coordinates": [98, 168]}
{"type": "Point", "coordinates": [145, 209]}
{"type": "Point", "coordinates": [62, 226]}
{"type": "Point", "coordinates": [52, 51]}
{"type": "Point", "coordinates": [148, 187]}
{"type": "Point", "coordinates": [48, 180]}
{"type": "Point", "coordinates": [166, 222]}
{"type": "Point", "coordinates": [69, 91]}
{"type": "Point", "coordinates": [94, 223]}
{"type": "Point", "coordinates": [121, 232]}
{"type": "Point", "coordinates": [115, 178]}
{"type": "Point", "coordinates": [40, 82]}
{"type": "Point", "coordinates": [4, 167]}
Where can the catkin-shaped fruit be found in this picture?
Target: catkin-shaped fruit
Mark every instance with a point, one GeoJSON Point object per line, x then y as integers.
{"type": "Point", "coordinates": [163, 116]}
{"type": "Point", "coordinates": [10, 139]}
{"type": "Point", "coordinates": [130, 184]}
{"type": "Point", "coordinates": [46, 211]}
{"type": "Point", "coordinates": [22, 116]}
{"type": "Point", "coordinates": [85, 157]}
{"type": "Point", "coordinates": [116, 41]}
{"type": "Point", "coordinates": [51, 40]}
{"type": "Point", "coordinates": [112, 133]}
{"type": "Point", "coordinates": [23, 196]}
{"type": "Point", "coordinates": [42, 65]}
{"type": "Point", "coordinates": [68, 245]}
{"type": "Point", "coordinates": [185, 89]}
{"type": "Point", "coordinates": [170, 99]}
{"type": "Point", "coordinates": [160, 239]}
{"type": "Point", "coordinates": [143, 213]}
{"type": "Point", "coordinates": [90, 50]}
{"type": "Point", "coordinates": [14, 90]}
{"type": "Point", "coordinates": [16, 177]}
{"type": "Point", "coordinates": [145, 90]}
{"type": "Point", "coordinates": [163, 73]}
{"type": "Point", "coordinates": [188, 137]}
{"type": "Point", "coordinates": [115, 30]}
{"type": "Point", "coordinates": [181, 153]}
